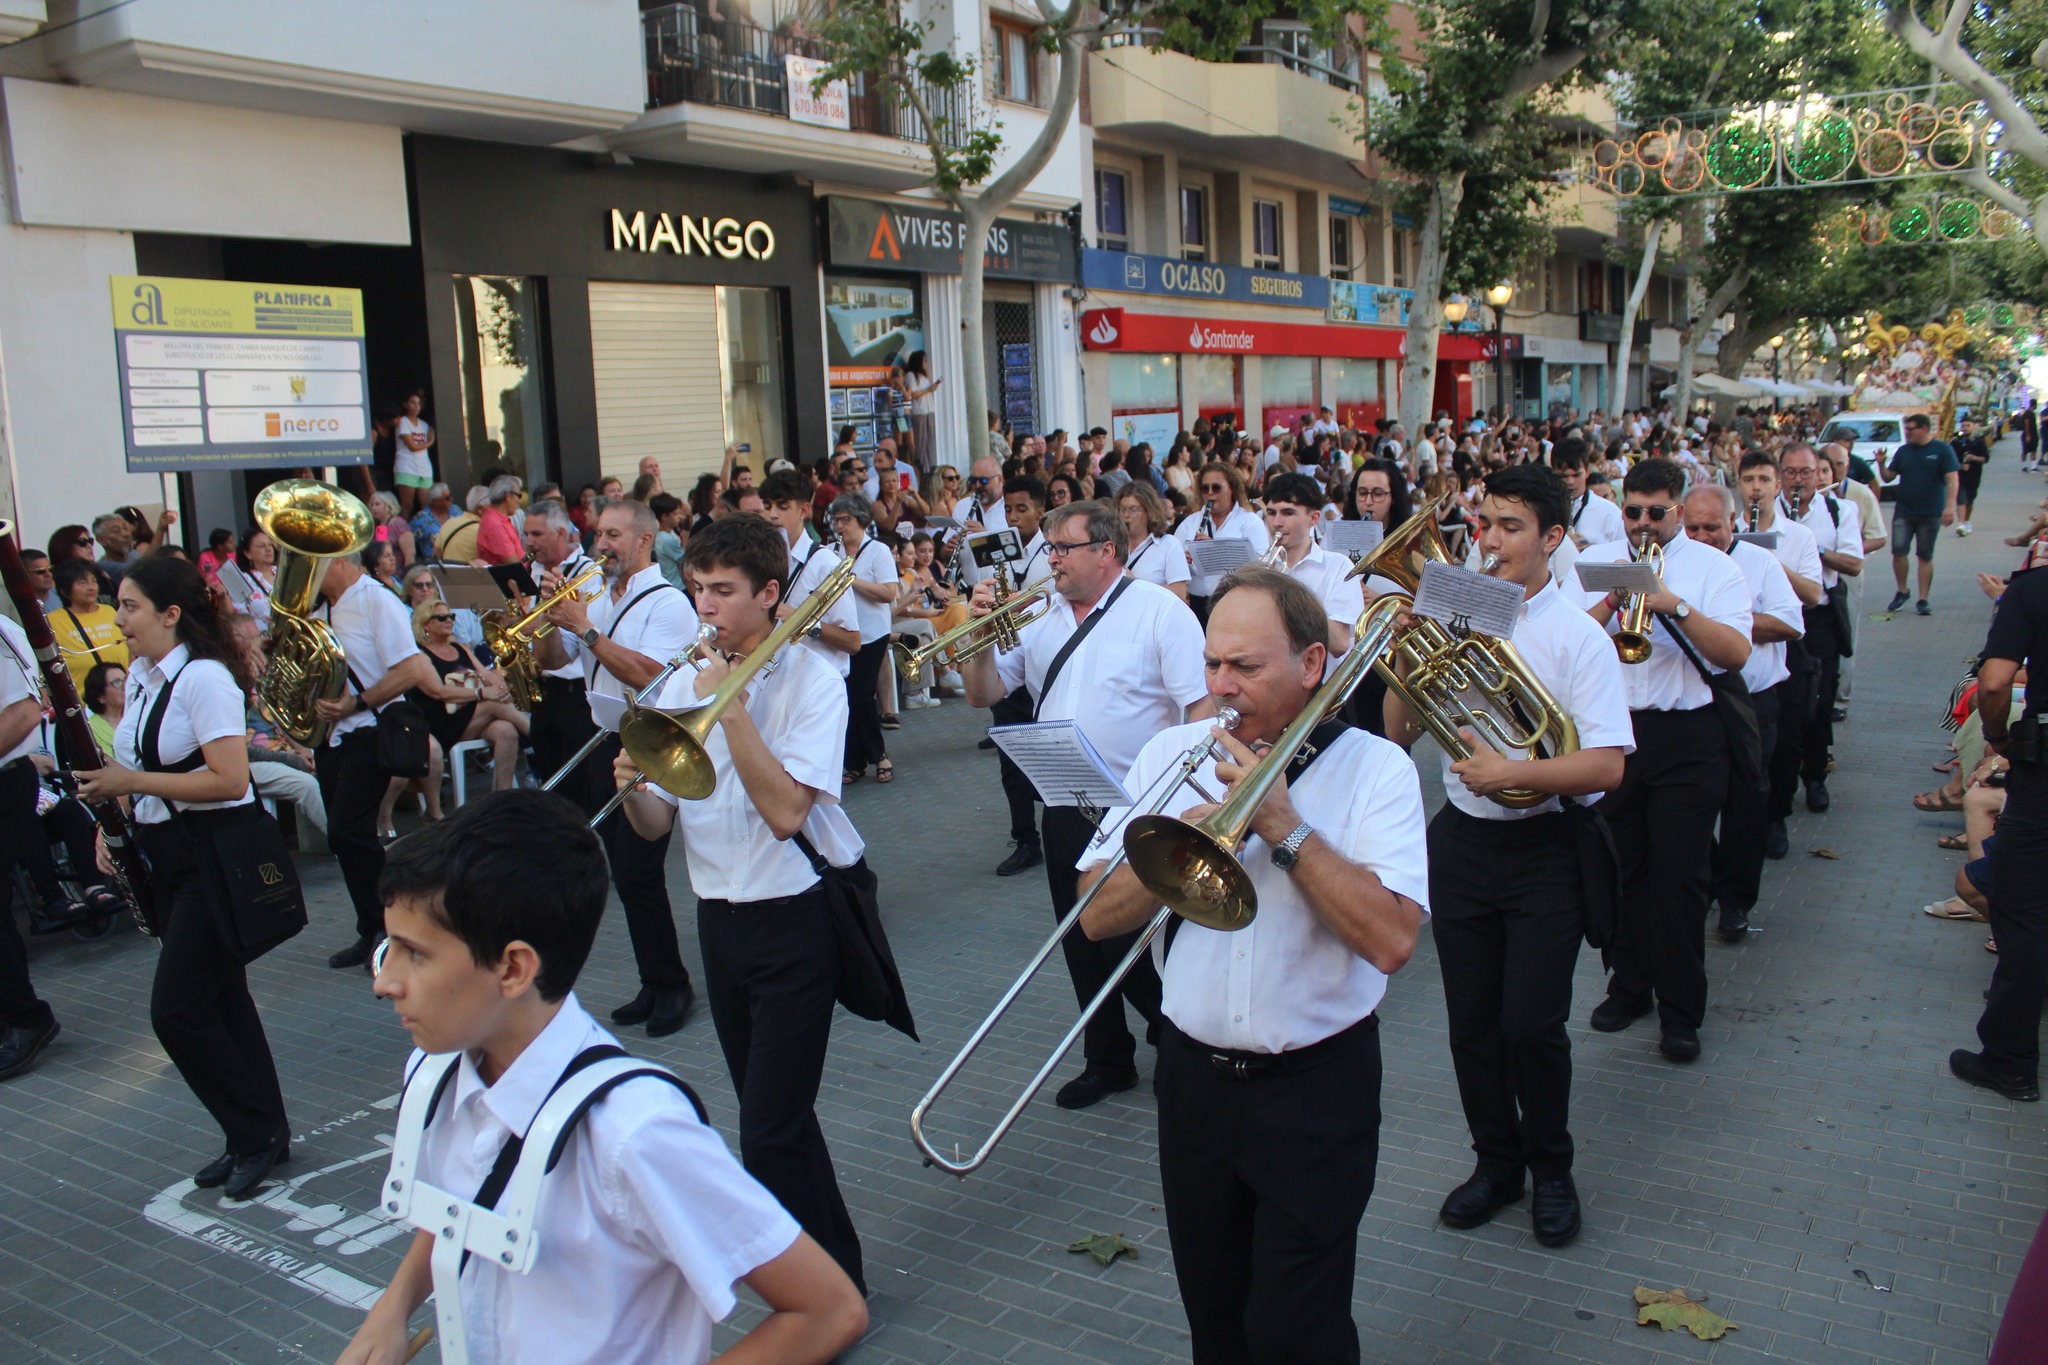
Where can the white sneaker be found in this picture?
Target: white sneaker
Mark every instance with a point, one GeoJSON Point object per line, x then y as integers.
{"type": "Point", "coordinates": [919, 701]}
{"type": "Point", "coordinates": [951, 678]}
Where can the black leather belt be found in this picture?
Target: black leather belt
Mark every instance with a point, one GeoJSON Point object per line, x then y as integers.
{"type": "Point", "coordinates": [1246, 1065]}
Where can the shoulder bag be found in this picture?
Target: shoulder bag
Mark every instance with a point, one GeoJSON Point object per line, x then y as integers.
{"type": "Point", "coordinates": [402, 735]}
{"type": "Point", "coordinates": [1737, 713]}
{"type": "Point", "coordinates": [869, 984]}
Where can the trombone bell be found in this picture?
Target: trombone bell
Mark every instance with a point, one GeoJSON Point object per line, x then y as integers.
{"type": "Point", "coordinates": [1188, 868]}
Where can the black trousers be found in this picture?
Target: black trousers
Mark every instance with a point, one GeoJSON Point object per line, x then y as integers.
{"type": "Point", "coordinates": [352, 786]}
{"type": "Point", "coordinates": [1107, 1041]}
{"type": "Point", "coordinates": [1506, 905]}
{"type": "Point", "coordinates": [200, 1005]}
{"type": "Point", "coordinates": [1736, 874]}
{"type": "Point", "coordinates": [1018, 793]}
{"type": "Point", "coordinates": [640, 876]}
{"type": "Point", "coordinates": [20, 831]}
{"type": "Point", "coordinates": [1785, 754]}
{"type": "Point", "coordinates": [2010, 1028]}
{"type": "Point", "coordinates": [864, 742]}
{"type": "Point", "coordinates": [771, 975]}
{"type": "Point", "coordinates": [1266, 1178]}
{"type": "Point", "coordinates": [1824, 642]}
{"type": "Point", "coordinates": [1662, 816]}
{"type": "Point", "coordinates": [560, 725]}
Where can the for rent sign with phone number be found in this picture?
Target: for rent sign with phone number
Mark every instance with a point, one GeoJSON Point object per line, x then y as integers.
{"type": "Point", "coordinates": [219, 374]}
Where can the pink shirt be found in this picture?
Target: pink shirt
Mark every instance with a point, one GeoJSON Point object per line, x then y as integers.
{"type": "Point", "coordinates": [497, 539]}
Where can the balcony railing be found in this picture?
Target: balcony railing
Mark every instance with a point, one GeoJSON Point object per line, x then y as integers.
{"type": "Point", "coordinates": [1312, 63]}
{"type": "Point", "coordinates": [692, 59]}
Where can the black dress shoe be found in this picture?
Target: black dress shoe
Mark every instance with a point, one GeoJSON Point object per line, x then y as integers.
{"type": "Point", "coordinates": [1476, 1201]}
{"type": "Point", "coordinates": [638, 1010]}
{"type": "Point", "coordinates": [19, 1048]}
{"type": "Point", "coordinates": [1021, 857]}
{"type": "Point", "coordinates": [1817, 799]}
{"type": "Point", "coordinates": [355, 955]}
{"type": "Point", "coordinates": [1554, 1211]}
{"type": "Point", "coordinates": [1614, 1014]}
{"type": "Point", "coordinates": [250, 1172]}
{"type": "Point", "coordinates": [1680, 1043]}
{"type": "Point", "coordinates": [1776, 842]}
{"type": "Point", "coordinates": [671, 1011]}
{"type": "Point", "coordinates": [1970, 1066]}
{"type": "Point", "coordinates": [215, 1173]}
{"type": "Point", "coordinates": [986, 744]}
{"type": "Point", "coordinates": [1734, 924]}
{"type": "Point", "coordinates": [1094, 1084]}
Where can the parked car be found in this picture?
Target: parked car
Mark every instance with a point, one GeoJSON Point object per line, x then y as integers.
{"type": "Point", "coordinates": [1871, 436]}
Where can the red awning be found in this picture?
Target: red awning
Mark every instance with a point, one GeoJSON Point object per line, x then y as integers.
{"type": "Point", "coordinates": [1118, 329]}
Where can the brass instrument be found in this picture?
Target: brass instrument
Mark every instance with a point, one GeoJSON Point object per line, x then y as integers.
{"type": "Point", "coordinates": [312, 523]}
{"type": "Point", "coordinates": [1002, 627]}
{"type": "Point", "coordinates": [705, 635]}
{"type": "Point", "coordinates": [1632, 633]}
{"type": "Point", "coordinates": [1182, 774]}
{"type": "Point", "coordinates": [512, 644]}
{"type": "Point", "coordinates": [1457, 681]}
{"type": "Point", "coordinates": [669, 746]}
{"type": "Point", "coordinates": [1271, 558]}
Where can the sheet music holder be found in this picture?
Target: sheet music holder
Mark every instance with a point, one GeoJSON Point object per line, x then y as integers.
{"type": "Point", "coordinates": [463, 586]}
{"type": "Point", "coordinates": [1467, 602]}
{"type": "Point", "coordinates": [1352, 539]}
{"type": "Point", "coordinates": [1630, 577]}
{"type": "Point", "coordinates": [1062, 765]}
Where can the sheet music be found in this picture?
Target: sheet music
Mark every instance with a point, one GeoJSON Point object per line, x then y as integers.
{"type": "Point", "coordinates": [1766, 539]}
{"type": "Point", "coordinates": [1209, 560]}
{"type": "Point", "coordinates": [237, 583]}
{"type": "Point", "coordinates": [1615, 577]}
{"type": "Point", "coordinates": [1062, 764]}
{"type": "Point", "coordinates": [1353, 539]}
{"type": "Point", "coordinates": [1467, 601]}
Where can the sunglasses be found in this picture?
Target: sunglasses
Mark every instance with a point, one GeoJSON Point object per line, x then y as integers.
{"type": "Point", "coordinates": [955, 478]}
{"type": "Point", "coordinates": [1636, 511]}
{"type": "Point", "coordinates": [1215, 488]}
{"type": "Point", "coordinates": [978, 479]}
{"type": "Point", "coordinates": [441, 616]}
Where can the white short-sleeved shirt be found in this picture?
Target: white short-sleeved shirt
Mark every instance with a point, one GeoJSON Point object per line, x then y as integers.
{"type": "Point", "coordinates": [1159, 559]}
{"type": "Point", "coordinates": [1327, 574]}
{"type": "Point", "coordinates": [572, 668]}
{"type": "Point", "coordinates": [1796, 549]}
{"type": "Point", "coordinates": [873, 563]}
{"type": "Point", "coordinates": [1242, 524]}
{"type": "Point", "coordinates": [808, 565]}
{"type": "Point", "coordinates": [1597, 519]}
{"type": "Point", "coordinates": [800, 710]}
{"type": "Point", "coordinates": [1832, 537]}
{"type": "Point", "coordinates": [652, 617]}
{"type": "Point", "coordinates": [406, 460]}
{"type": "Point", "coordinates": [1135, 674]}
{"type": "Point", "coordinates": [207, 704]}
{"type": "Point", "coordinates": [1569, 654]}
{"type": "Point", "coordinates": [16, 684]}
{"type": "Point", "coordinates": [1770, 595]}
{"type": "Point", "coordinates": [374, 630]}
{"type": "Point", "coordinates": [642, 1230]}
{"type": "Point", "coordinates": [1285, 980]}
{"type": "Point", "coordinates": [1707, 581]}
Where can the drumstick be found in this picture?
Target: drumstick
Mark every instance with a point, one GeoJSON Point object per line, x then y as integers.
{"type": "Point", "coordinates": [419, 1341]}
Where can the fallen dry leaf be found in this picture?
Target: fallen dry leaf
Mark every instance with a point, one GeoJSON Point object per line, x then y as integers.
{"type": "Point", "coordinates": [1672, 1309]}
{"type": "Point", "coordinates": [1827, 853]}
{"type": "Point", "coordinates": [1105, 1247]}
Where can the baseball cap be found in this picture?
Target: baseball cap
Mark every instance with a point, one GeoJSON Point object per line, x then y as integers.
{"type": "Point", "coordinates": [778, 464]}
{"type": "Point", "coordinates": [1278, 430]}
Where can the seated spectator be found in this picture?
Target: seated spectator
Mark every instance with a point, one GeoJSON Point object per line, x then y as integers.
{"type": "Point", "coordinates": [393, 529]}
{"type": "Point", "coordinates": [84, 623]}
{"type": "Point", "coordinates": [42, 576]}
{"type": "Point", "coordinates": [105, 695]}
{"type": "Point", "coordinates": [65, 820]}
{"type": "Point", "coordinates": [498, 540]}
{"type": "Point", "coordinates": [912, 617]}
{"type": "Point", "coordinates": [466, 701]}
{"type": "Point", "coordinates": [380, 561]}
{"type": "Point", "coordinates": [437, 510]}
{"type": "Point", "coordinates": [457, 542]}
{"type": "Point", "coordinates": [220, 548]}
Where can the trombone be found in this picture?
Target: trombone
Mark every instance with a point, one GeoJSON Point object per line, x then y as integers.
{"type": "Point", "coordinates": [705, 635]}
{"type": "Point", "coordinates": [671, 747]}
{"type": "Point", "coordinates": [1181, 774]}
{"type": "Point", "coordinates": [1002, 627]}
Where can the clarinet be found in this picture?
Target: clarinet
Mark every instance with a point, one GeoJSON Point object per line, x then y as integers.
{"type": "Point", "coordinates": [131, 874]}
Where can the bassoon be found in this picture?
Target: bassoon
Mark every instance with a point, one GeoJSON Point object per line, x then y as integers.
{"type": "Point", "coordinates": [131, 874]}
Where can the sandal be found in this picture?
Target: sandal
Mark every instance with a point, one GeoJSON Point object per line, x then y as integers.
{"type": "Point", "coordinates": [1935, 802]}
{"type": "Point", "coordinates": [1954, 843]}
{"type": "Point", "coordinates": [892, 722]}
{"type": "Point", "coordinates": [1990, 946]}
{"type": "Point", "coordinates": [1955, 907]}
{"type": "Point", "coordinates": [1947, 765]}
{"type": "Point", "coordinates": [885, 771]}
{"type": "Point", "coordinates": [852, 775]}
{"type": "Point", "coordinates": [105, 900]}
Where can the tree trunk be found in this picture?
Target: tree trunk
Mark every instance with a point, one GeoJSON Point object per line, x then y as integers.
{"type": "Point", "coordinates": [1426, 313]}
{"type": "Point", "coordinates": [1696, 332]}
{"type": "Point", "coordinates": [1617, 372]}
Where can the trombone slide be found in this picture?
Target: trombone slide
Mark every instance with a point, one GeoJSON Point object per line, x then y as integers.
{"type": "Point", "coordinates": [705, 635]}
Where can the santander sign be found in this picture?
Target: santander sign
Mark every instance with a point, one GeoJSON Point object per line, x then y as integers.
{"type": "Point", "coordinates": [1219, 339]}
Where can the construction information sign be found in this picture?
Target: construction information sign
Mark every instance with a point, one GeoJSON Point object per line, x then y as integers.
{"type": "Point", "coordinates": [223, 374]}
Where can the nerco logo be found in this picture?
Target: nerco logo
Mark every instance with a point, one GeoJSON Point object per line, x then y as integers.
{"type": "Point", "coordinates": [277, 424]}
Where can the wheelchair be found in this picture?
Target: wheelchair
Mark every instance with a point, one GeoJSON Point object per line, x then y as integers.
{"type": "Point", "coordinates": [79, 905]}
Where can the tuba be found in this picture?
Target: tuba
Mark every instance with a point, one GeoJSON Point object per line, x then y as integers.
{"type": "Point", "coordinates": [312, 523]}
{"type": "Point", "coordinates": [1459, 681]}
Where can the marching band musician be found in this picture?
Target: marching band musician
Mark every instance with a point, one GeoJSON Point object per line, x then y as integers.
{"type": "Point", "coordinates": [1138, 674]}
{"type": "Point", "coordinates": [1278, 1018]}
{"type": "Point", "coordinates": [1508, 943]}
{"type": "Point", "coordinates": [1594, 520]}
{"type": "Point", "coordinates": [27, 1024]}
{"type": "Point", "coordinates": [1024, 502]}
{"type": "Point", "coordinates": [1663, 812]}
{"type": "Point", "coordinates": [1156, 555]}
{"type": "Point", "coordinates": [1223, 516]}
{"type": "Point", "coordinates": [622, 637]}
{"type": "Point", "coordinates": [374, 630]}
{"type": "Point", "coordinates": [1294, 508]}
{"type": "Point", "coordinates": [786, 504]}
{"type": "Point", "coordinates": [1837, 529]}
{"type": "Point", "coordinates": [561, 723]}
{"type": "Point", "coordinates": [771, 959]}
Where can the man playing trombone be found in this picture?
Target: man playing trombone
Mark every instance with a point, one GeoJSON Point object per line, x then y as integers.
{"type": "Point", "coordinates": [1269, 1070]}
{"type": "Point", "coordinates": [1138, 674]}
{"type": "Point", "coordinates": [561, 723]}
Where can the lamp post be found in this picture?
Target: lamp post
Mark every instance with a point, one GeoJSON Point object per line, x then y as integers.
{"type": "Point", "coordinates": [1777, 349]}
{"type": "Point", "coordinates": [1456, 309]}
{"type": "Point", "coordinates": [1500, 295]}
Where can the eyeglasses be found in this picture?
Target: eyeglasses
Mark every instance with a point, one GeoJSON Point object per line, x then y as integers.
{"type": "Point", "coordinates": [1215, 488]}
{"type": "Point", "coordinates": [1374, 494]}
{"type": "Point", "coordinates": [441, 616]}
{"type": "Point", "coordinates": [1636, 511]}
{"type": "Point", "coordinates": [951, 478]}
{"type": "Point", "coordinates": [1055, 549]}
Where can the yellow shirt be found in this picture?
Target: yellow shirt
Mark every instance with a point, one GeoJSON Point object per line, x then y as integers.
{"type": "Point", "coordinates": [85, 638]}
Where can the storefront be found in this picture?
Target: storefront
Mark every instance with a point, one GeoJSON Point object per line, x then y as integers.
{"type": "Point", "coordinates": [582, 314]}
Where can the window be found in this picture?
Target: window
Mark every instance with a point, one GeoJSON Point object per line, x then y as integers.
{"type": "Point", "coordinates": [1265, 234]}
{"type": "Point", "coordinates": [1400, 259]}
{"type": "Point", "coordinates": [1340, 247]}
{"type": "Point", "coordinates": [1112, 220]}
{"type": "Point", "coordinates": [1016, 68]}
{"type": "Point", "coordinates": [750, 349]}
{"type": "Point", "coordinates": [498, 340]}
{"type": "Point", "coordinates": [1194, 223]}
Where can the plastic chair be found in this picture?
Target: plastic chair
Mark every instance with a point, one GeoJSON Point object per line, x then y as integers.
{"type": "Point", "coordinates": [459, 771]}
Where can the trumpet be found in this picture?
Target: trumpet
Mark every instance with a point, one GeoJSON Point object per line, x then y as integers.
{"type": "Point", "coordinates": [669, 747]}
{"type": "Point", "coordinates": [1632, 634]}
{"type": "Point", "coordinates": [1182, 774]}
{"type": "Point", "coordinates": [1002, 627]}
{"type": "Point", "coordinates": [512, 644]}
{"type": "Point", "coordinates": [705, 635]}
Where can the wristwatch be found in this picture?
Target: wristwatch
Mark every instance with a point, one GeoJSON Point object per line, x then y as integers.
{"type": "Point", "coordinates": [589, 636]}
{"type": "Point", "coordinates": [1289, 851]}
{"type": "Point", "coordinates": [816, 632]}
{"type": "Point", "coordinates": [1683, 610]}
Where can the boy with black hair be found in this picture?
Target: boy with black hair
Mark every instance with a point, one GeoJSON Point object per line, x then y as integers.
{"type": "Point", "coordinates": [641, 1230]}
{"type": "Point", "coordinates": [1293, 512]}
{"type": "Point", "coordinates": [771, 958]}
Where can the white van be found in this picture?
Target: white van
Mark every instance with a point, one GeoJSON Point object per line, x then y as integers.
{"type": "Point", "coordinates": [1870, 435]}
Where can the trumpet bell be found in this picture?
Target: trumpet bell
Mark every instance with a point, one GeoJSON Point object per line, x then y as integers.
{"type": "Point", "coordinates": [668, 748]}
{"type": "Point", "coordinates": [1188, 868]}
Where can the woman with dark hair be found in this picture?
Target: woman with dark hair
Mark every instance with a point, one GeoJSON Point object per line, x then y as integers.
{"type": "Point", "coordinates": [380, 561]}
{"type": "Point", "coordinates": [257, 559]}
{"type": "Point", "coordinates": [1379, 492]}
{"type": "Point", "coordinates": [917, 387]}
{"type": "Point", "coordinates": [1062, 489]}
{"type": "Point", "coordinates": [220, 548]}
{"type": "Point", "coordinates": [709, 486]}
{"type": "Point", "coordinates": [182, 750]}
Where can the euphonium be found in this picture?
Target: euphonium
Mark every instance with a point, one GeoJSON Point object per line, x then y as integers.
{"type": "Point", "coordinates": [1002, 627]}
{"type": "Point", "coordinates": [1455, 681]}
{"type": "Point", "coordinates": [1632, 634]}
{"type": "Point", "coordinates": [312, 524]}
{"type": "Point", "coordinates": [512, 645]}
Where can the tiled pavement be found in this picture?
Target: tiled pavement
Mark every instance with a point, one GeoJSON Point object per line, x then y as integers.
{"type": "Point", "coordinates": [1820, 1137]}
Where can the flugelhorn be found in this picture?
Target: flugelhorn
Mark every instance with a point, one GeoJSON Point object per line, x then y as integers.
{"type": "Point", "coordinates": [512, 644]}
{"type": "Point", "coordinates": [668, 747]}
{"type": "Point", "coordinates": [1632, 631]}
{"type": "Point", "coordinates": [1001, 628]}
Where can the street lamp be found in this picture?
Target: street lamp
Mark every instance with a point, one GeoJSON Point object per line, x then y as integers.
{"type": "Point", "coordinates": [1777, 348]}
{"type": "Point", "coordinates": [1500, 295]}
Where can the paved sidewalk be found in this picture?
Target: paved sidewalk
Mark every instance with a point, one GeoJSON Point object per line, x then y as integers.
{"type": "Point", "coordinates": [1820, 1136]}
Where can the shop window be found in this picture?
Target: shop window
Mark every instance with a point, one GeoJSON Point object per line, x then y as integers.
{"type": "Point", "coordinates": [750, 348]}
{"type": "Point", "coordinates": [1352, 389]}
{"type": "Point", "coordinates": [1112, 210]}
{"type": "Point", "coordinates": [1265, 234]}
{"type": "Point", "coordinates": [1288, 389]}
{"type": "Point", "coordinates": [1144, 400]}
{"type": "Point", "coordinates": [1214, 385]}
{"type": "Point", "coordinates": [1340, 247]}
{"type": "Point", "coordinates": [1016, 70]}
{"type": "Point", "coordinates": [499, 339]}
{"type": "Point", "coordinates": [1400, 248]}
{"type": "Point", "coordinates": [1194, 223]}
{"type": "Point", "coordinates": [869, 326]}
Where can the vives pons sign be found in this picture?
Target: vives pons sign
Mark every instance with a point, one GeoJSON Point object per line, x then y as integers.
{"type": "Point", "coordinates": [685, 235]}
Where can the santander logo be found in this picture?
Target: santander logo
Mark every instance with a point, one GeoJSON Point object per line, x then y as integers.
{"type": "Point", "coordinates": [1104, 332]}
{"type": "Point", "coordinates": [1216, 339]}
